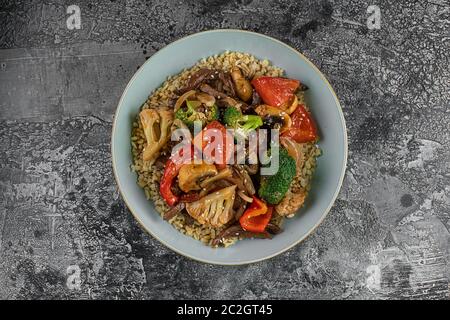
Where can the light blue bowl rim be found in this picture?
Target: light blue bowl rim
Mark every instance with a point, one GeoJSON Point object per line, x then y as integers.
{"type": "Point", "coordinates": [343, 169]}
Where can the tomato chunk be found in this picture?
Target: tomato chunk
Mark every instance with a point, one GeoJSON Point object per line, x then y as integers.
{"type": "Point", "coordinates": [220, 151]}
{"type": "Point", "coordinates": [275, 91]}
{"type": "Point", "coordinates": [303, 128]}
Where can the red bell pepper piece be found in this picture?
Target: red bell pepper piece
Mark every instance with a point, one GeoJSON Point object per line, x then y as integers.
{"type": "Point", "coordinates": [223, 150]}
{"type": "Point", "coordinates": [165, 186]}
{"type": "Point", "coordinates": [303, 128]}
{"type": "Point", "coordinates": [256, 217]}
{"type": "Point", "coordinates": [171, 170]}
{"type": "Point", "coordinates": [220, 155]}
{"type": "Point", "coordinates": [275, 91]}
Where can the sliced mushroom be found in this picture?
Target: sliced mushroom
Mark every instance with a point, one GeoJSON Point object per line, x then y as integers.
{"type": "Point", "coordinates": [224, 173]}
{"type": "Point", "coordinates": [206, 99]}
{"type": "Point", "coordinates": [228, 102]}
{"type": "Point", "coordinates": [243, 87]}
{"type": "Point", "coordinates": [191, 175]}
{"type": "Point", "coordinates": [156, 125]}
{"type": "Point", "coordinates": [274, 122]}
{"type": "Point", "coordinates": [182, 99]}
{"type": "Point", "coordinates": [265, 110]}
{"type": "Point", "coordinates": [242, 179]}
{"type": "Point", "coordinates": [215, 209]}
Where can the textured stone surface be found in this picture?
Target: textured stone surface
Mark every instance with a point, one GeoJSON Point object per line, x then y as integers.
{"type": "Point", "coordinates": [387, 236]}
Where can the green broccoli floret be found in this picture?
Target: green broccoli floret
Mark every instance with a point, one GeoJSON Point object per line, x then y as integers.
{"type": "Point", "coordinates": [273, 188]}
{"type": "Point", "coordinates": [212, 113]}
{"type": "Point", "coordinates": [231, 115]}
{"type": "Point", "coordinates": [242, 123]}
{"type": "Point", "coordinates": [190, 113]}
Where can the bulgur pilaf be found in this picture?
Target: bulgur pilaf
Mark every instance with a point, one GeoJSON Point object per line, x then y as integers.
{"type": "Point", "coordinates": [164, 99]}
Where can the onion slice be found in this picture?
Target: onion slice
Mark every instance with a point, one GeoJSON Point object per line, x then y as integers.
{"type": "Point", "coordinates": [293, 105]}
{"type": "Point", "coordinates": [266, 110]}
{"type": "Point", "coordinates": [244, 196]}
{"type": "Point", "coordinates": [182, 99]}
{"type": "Point", "coordinates": [294, 150]}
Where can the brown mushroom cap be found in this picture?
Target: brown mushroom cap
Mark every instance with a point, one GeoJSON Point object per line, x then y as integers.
{"type": "Point", "coordinates": [191, 175]}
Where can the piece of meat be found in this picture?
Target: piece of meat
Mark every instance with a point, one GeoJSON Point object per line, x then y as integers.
{"type": "Point", "coordinates": [211, 91]}
{"type": "Point", "coordinates": [272, 228]}
{"type": "Point", "coordinates": [291, 203]}
{"type": "Point", "coordinates": [218, 85]}
{"type": "Point", "coordinates": [188, 220]}
{"type": "Point", "coordinates": [237, 231]}
{"type": "Point", "coordinates": [161, 161]}
{"type": "Point", "coordinates": [242, 179]}
{"type": "Point", "coordinates": [239, 212]}
{"type": "Point", "coordinates": [259, 235]}
{"type": "Point", "coordinates": [198, 78]}
{"type": "Point", "coordinates": [228, 85]}
{"type": "Point", "coordinates": [172, 212]}
{"type": "Point", "coordinates": [189, 197]}
{"type": "Point", "coordinates": [239, 207]}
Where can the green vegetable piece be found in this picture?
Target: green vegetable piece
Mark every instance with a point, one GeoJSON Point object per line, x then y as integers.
{"type": "Point", "coordinates": [273, 188]}
{"type": "Point", "coordinates": [231, 116]}
{"type": "Point", "coordinates": [243, 124]}
{"type": "Point", "coordinates": [213, 113]}
{"type": "Point", "coordinates": [190, 113]}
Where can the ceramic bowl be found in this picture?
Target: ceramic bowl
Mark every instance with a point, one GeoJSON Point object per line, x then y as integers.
{"type": "Point", "coordinates": [323, 103]}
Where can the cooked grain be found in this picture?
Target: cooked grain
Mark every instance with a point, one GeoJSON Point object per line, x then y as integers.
{"type": "Point", "coordinates": [149, 175]}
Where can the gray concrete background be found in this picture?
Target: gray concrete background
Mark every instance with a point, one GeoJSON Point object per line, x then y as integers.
{"type": "Point", "coordinates": [387, 236]}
